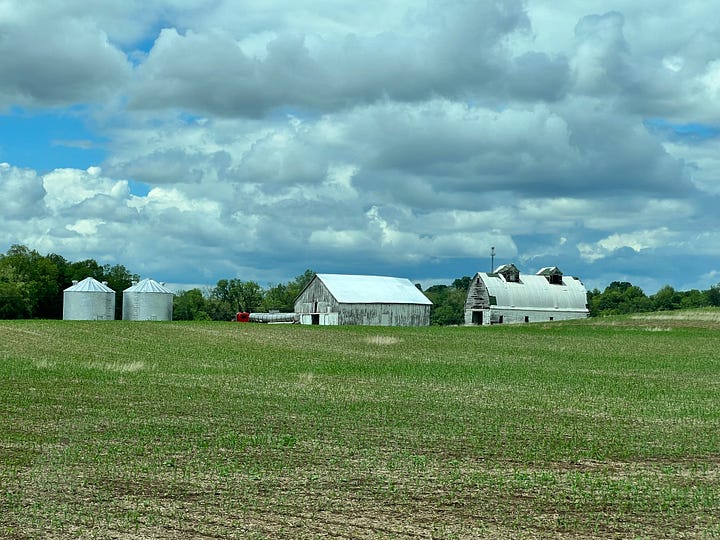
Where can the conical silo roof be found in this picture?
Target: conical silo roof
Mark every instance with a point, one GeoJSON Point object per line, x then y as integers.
{"type": "Point", "coordinates": [148, 285]}
{"type": "Point", "coordinates": [89, 284]}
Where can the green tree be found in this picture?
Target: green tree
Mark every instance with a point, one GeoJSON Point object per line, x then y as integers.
{"type": "Point", "coordinates": [693, 299]}
{"type": "Point", "coordinates": [235, 295]}
{"type": "Point", "coordinates": [463, 283]}
{"type": "Point", "coordinates": [36, 278]}
{"type": "Point", "coordinates": [448, 304]}
{"type": "Point", "coordinates": [84, 269]}
{"type": "Point", "coordinates": [282, 297]}
{"type": "Point", "coordinates": [296, 286]}
{"type": "Point", "coordinates": [665, 299]}
{"type": "Point", "coordinates": [187, 305]}
{"type": "Point", "coordinates": [618, 298]}
{"type": "Point", "coordinates": [713, 295]}
{"type": "Point", "coordinates": [278, 298]}
{"type": "Point", "coordinates": [13, 301]}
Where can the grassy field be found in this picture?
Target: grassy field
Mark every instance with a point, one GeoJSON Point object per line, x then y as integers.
{"type": "Point", "coordinates": [593, 429]}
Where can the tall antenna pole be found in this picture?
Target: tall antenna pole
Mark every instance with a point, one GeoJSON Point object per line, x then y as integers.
{"type": "Point", "coordinates": [492, 259]}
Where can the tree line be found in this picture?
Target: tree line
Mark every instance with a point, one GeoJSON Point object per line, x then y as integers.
{"type": "Point", "coordinates": [32, 285]}
{"type": "Point", "coordinates": [229, 296]}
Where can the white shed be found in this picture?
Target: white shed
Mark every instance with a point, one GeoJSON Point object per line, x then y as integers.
{"type": "Point", "coordinates": [362, 300]}
{"type": "Point", "coordinates": [88, 300]}
{"type": "Point", "coordinates": [507, 296]}
{"type": "Point", "coordinates": [147, 300]}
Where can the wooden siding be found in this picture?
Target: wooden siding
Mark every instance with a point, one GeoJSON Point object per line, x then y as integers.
{"type": "Point", "coordinates": [316, 299]}
{"type": "Point", "coordinates": [478, 296]}
{"type": "Point", "coordinates": [385, 314]}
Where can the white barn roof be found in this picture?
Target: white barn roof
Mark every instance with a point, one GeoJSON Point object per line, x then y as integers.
{"type": "Point", "coordinates": [349, 289]}
{"type": "Point", "coordinates": [148, 285]}
{"type": "Point", "coordinates": [89, 284]}
{"type": "Point", "coordinates": [534, 291]}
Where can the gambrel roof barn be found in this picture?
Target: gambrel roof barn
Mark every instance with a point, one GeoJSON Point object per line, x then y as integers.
{"type": "Point", "coordinates": [507, 296]}
{"type": "Point", "coordinates": [362, 300]}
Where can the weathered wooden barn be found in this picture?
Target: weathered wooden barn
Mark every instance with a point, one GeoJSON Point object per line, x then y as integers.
{"type": "Point", "coordinates": [331, 299]}
{"type": "Point", "coordinates": [507, 296]}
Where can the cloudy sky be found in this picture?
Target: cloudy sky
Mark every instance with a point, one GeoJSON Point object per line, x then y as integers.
{"type": "Point", "coordinates": [194, 140]}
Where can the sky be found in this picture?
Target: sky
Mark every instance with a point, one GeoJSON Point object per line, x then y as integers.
{"type": "Point", "coordinates": [198, 140]}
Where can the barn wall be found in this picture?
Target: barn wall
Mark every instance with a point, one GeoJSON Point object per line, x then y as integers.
{"type": "Point", "coordinates": [316, 299]}
{"type": "Point", "coordinates": [385, 314]}
{"type": "Point", "coordinates": [478, 296]}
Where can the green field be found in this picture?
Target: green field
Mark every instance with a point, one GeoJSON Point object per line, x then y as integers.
{"type": "Point", "coordinates": [592, 429]}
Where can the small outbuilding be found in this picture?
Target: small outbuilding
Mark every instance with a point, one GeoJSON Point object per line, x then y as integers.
{"type": "Point", "coordinates": [88, 300]}
{"type": "Point", "coordinates": [507, 296]}
{"type": "Point", "coordinates": [340, 299]}
{"type": "Point", "coordinates": [147, 300]}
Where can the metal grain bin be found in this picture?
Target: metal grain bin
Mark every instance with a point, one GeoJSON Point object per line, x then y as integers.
{"type": "Point", "coordinates": [88, 300]}
{"type": "Point", "coordinates": [147, 300]}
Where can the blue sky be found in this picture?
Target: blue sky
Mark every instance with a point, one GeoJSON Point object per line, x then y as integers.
{"type": "Point", "coordinates": [47, 140]}
{"type": "Point", "coordinates": [192, 140]}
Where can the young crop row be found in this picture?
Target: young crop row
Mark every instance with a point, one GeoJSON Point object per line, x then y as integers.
{"type": "Point", "coordinates": [161, 430]}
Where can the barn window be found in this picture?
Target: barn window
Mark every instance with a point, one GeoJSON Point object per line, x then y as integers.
{"type": "Point", "coordinates": [510, 273]}
{"type": "Point", "coordinates": [527, 319]}
{"type": "Point", "coordinates": [553, 274]}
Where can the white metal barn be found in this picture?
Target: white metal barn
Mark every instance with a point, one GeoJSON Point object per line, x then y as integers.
{"type": "Point", "coordinates": [331, 299]}
{"type": "Point", "coordinates": [507, 296]}
{"type": "Point", "coordinates": [88, 300]}
{"type": "Point", "coordinates": [147, 300]}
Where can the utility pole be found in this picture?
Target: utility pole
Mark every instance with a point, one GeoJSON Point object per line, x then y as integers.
{"type": "Point", "coordinates": [492, 259]}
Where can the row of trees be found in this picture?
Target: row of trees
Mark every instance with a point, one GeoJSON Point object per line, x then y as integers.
{"type": "Point", "coordinates": [222, 302]}
{"type": "Point", "coordinates": [31, 286]}
{"type": "Point", "coordinates": [621, 297]}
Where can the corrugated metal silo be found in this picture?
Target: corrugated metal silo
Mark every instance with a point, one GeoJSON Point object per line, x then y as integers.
{"type": "Point", "coordinates": [147, 300]}
{"type": "Point", "coordinates": [88, 300]}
